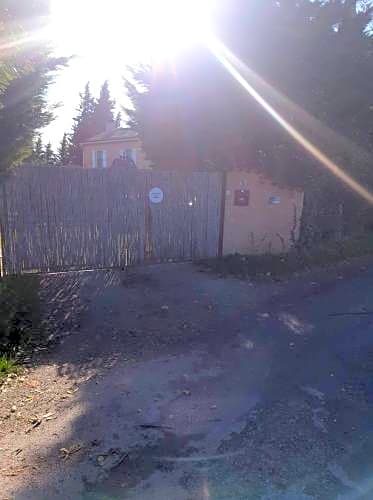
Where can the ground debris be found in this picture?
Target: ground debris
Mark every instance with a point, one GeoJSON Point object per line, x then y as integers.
{"type": "Point", "coordinates": [352, 313]}
{"type": "Point", "coordinates": [111, 459]}
{"type": "Point", "coordinates": [13, 471]}
{"type": "Point", "coordinates": [154, 426]}
{"type": "Point", "coordinates": [36, 421]}
{"type": "Point", "coordinates": [66, 453]}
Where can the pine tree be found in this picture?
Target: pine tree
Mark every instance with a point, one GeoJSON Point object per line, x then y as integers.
{"type": "Point", "coordinates": [25, 74]}
{"type": "Point", "coordinates": [104, 110]}
{"type": "Point", "coordinates": [313, 52]}
{"type": "Point", "coordinates": [37, 156]}
{"type": "Point", "coordinates": [83, 127]}
{"type": "Point", "coordinates": [118, 120]}
{"type": "Point", "coordinates": [63, 153]}
{"type": "Point", "coordinates": [39, 149]}
{"type": "Point", "coordinates": [49, 156]}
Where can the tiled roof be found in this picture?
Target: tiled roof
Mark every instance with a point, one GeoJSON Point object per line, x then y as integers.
{"type": "Point", "coordinates": [118, 134]}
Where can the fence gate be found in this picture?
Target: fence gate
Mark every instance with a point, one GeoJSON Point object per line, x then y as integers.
{"type": "Point", "coordinates": [61, 218]}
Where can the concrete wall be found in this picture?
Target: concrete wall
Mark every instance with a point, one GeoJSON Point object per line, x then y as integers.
{"type": "Point", "coordinates": [266, 224]}
{"type": "Point", "coordinates": [113, 151]}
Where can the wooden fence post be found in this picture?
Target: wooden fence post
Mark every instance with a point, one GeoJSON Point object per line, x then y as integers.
{"type": "Point", "coordinates": [222, 214]}
{"type": "Point", "coordinates": [3, 215]}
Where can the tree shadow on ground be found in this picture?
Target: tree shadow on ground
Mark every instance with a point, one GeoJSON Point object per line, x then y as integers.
{"type": "Point", "coordinates": [150, 357]}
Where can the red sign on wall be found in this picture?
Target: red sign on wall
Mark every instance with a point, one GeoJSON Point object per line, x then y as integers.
{"type": "Point", "coordinates": [241, 197]}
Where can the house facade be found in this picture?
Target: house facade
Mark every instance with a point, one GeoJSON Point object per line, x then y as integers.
{"type": "Point", "coordinates": [104, 149]}
{"type": "Point", "coordinates": [260, 216]}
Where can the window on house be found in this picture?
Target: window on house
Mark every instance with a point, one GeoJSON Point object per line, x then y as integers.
{"type": "Point", "coordinates": [129, 154]}
{"type": "Point", "coordinates": [99, 159]}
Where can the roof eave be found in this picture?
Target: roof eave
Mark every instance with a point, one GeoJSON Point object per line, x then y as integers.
{"type": "Point", "coordinates": [107, 141]}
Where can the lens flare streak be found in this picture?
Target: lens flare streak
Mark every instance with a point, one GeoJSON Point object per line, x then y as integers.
{"type": "Point", "coordinates": [226, 58]}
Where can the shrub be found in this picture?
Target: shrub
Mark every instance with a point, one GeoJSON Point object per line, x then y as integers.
{"type": "Point", "coordinates": [19, 312]}
{"type": "Point", "coordinates": [7, 365]}
{"type": "Point", "coordinates": [282, 265]}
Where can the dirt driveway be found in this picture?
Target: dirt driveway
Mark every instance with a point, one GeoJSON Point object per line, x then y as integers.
{"type": "Point", "coordinates": [171, 383]}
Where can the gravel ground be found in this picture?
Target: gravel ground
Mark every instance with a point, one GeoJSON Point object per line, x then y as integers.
{"type": "Point", "coordinates": [172, 383]}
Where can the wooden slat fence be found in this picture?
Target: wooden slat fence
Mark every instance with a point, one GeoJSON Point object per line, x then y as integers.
{"type": "Point", "coordinates": [54, 219]}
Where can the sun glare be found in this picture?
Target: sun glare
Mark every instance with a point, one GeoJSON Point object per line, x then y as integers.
{"type": "Point", "coordinates": [129, 29]}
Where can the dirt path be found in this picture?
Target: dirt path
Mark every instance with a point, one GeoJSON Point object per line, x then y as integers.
{"type": "Point", "coordinates": [171, 383]}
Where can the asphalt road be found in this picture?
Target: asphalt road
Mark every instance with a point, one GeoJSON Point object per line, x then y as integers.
{"type": "Point", "coordinates": [190, 387]}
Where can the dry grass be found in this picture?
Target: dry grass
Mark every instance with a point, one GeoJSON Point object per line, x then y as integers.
{"type": "Point", "coordinates": [282, 265]}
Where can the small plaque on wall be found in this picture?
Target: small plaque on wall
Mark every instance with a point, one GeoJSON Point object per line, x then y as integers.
{"type": "Point", "coordinates": [274, 200]}
{"type": "Point", "coordinates": [241, 197]}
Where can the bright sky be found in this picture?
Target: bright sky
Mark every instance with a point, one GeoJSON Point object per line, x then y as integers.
{"type": "Point", "coordinates": [107, 35]}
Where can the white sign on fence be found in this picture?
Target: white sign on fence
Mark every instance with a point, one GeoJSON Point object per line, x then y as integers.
{"type": "Point", "coordinates": [156, 195]}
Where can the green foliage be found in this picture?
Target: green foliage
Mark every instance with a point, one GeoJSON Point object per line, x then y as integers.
{"type": "Point", "coordinates": [19, 312]}
{"type": "Point", "coordinates": [83, 127]}
{"type": "Point", "coordinates": [92, 118]}
{"type": "Point", "coordinates": [7, 366]}
{"type": "Point", "coordinates": [118, 120]}
{"type": "Point", "coordinates": [23, 112]}
{"type": "Point", "coordinates": [43, 155]}
{"type": "Point", "coordinates": [272, 266]}
{"type": "Point", "coordinates": [49, 156]}
{"type": "Point", "coordinates": [26, 70]}
{"type": "Point", "coordinates": [63, 153]}
{"type": "Point", "coordinates": [104, 110]}
{"type": "Point", "coordinates": [37, 155]}
{"type": "Point", "coordinates": [192, 114]}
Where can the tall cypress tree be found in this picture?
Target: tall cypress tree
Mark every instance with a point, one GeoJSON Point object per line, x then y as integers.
{"type": "Point", "coordinates": [104, 110]}
{"type": "Point", "coordinates": [317, 53]}
{"type": "Point", "coordinates": [49, 156]}
{"type": "Point", "coordinates": [37, 156]}
{"type": "Point", "coordinates": [63, 153]}
{"type": "Point", "coordinates": [118, 120]}
{"type": "Point", "coordinates": [83, 127]}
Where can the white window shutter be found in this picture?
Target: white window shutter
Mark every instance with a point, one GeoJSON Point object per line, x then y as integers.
{"type": "Point", "coordinates": [93, 159]}
{"type": "Point", "coordinates": [134, 156]}
{"type": "Point", "coordinates": [104, 158]}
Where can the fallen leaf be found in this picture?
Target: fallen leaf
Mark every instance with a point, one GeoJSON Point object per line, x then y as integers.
{"type": "Point", "coordinates": [32, 383]}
